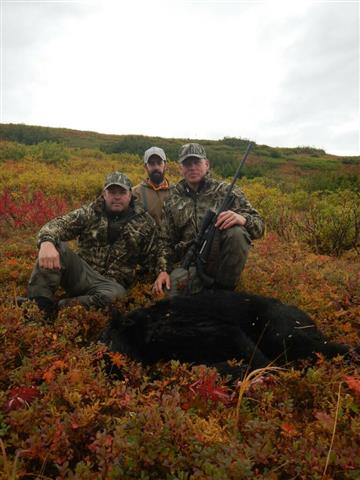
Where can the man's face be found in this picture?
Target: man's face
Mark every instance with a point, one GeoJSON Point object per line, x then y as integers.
{"type": "Point", "coordinates": [116, 198]}
{"type": "Point", "coordinates": [194, 170]}
{"type": "Point", "coordinates": [155, 168]}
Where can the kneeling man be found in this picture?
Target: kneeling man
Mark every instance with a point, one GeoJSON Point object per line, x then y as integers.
{"type": "Point", "coordinates": [184, 212]}
{"type": "Point", "coordinates": [114, 237]}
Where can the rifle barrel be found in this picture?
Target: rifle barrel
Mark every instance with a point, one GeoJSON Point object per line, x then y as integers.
{"type": "Point", "coordinates": [236, 176]}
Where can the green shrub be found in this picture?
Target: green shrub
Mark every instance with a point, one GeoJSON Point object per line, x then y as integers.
{"type": "Point", "coordinates": [308, 150]}
{"type": "Point", "coordinates": [12, 151]}
{"type": "Point", "coordinates": [275, 154]}
{"type": "Point", "coordinates": [351, 160]}
{"type": "Point", "coordinates": [330, 181]}
{"type": "Point", "coordinates": [274, 206]}
{"type": "Point", "coordinates": [27, 134]}
{"type": "Point", "coordinates": [330, 223]}
{"type": "Point", "coordinates": [50, 152]}
{"type": "Point", "coordinates": [235, 141]}
{"type": "Point", "coordinates": [311, 163]}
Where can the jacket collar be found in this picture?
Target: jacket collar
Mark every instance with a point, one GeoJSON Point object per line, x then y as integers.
{"type": "Point", "coordinates": [164, 185]}
{"type": "Point", "coordinates": [204, 185]}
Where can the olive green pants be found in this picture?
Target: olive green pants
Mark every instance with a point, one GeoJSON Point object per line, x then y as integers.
{"type": "Point", "coordinates": [232, 255]}
{"type": "Point", "coordinates": [77, 278]}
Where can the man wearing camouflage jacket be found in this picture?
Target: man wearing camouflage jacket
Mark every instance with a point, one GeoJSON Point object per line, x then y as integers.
{"type": "Point", "coordinates": [114, 237]}
{"type": "Point", "coordinates": [183, 214]}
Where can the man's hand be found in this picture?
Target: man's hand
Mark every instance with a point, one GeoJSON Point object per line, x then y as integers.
{"type": "Point", "coordinates": [162, 279]}
{"type": "Point", "coordinates": [49, 257]}
{"type": "Point", "coordinates": [229, 219]}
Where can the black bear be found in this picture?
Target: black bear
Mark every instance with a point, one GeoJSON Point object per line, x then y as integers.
{"type": "Point", "coordinates": [215, 326]}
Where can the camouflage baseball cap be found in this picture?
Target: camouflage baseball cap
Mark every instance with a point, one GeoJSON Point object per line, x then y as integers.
{"type": "Point", "coordinates": [118, 178]}
{"type": "Point", "coordinates": [191, 150]}
{"type": "Point", "coordinates": [159, 152]}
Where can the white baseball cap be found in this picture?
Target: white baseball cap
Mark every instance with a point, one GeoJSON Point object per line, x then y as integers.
{"type": "Point", "coordinates": [159, 152]}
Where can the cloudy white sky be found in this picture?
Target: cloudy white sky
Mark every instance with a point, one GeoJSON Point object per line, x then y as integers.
{"type": "Point", "coordinates": [282, 73]}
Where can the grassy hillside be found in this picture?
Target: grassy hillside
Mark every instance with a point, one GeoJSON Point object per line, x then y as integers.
{"type": "Point", "coordinates": [289, 167]}
{"type": "Point", "coordinates": [64, 414]}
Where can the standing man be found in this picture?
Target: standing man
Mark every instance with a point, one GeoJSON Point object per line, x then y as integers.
{"type": "Point", "coordinates": [114, 237]}
{"type": "Point", "coordinates": [154, 190]}
{"type": "Point", "coordinates": [183, 214]}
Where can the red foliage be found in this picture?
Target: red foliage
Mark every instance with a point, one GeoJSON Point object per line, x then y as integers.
{"type": "Point", "coordinates": [288, 429]}
{"type": "Point", "coordinates": [27, 209]}
{"type": "Point", "coordinates": [206, 388]}
{"type": "Point", "coordinates": [20, 397]}
{"type": "Point", "coordinates": [354, 384]}
{"type": "Point", "coordinates": [117, 359]}
{"type": "Point", "coordinates": [49, 375]}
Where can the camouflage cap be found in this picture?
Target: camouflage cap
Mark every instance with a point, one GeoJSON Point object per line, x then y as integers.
{"type": "Point", "coordinates": [191, 150]}
{"type": "Point", "coordinates": [159, 152]}
{"type": "Point", "coordinates": [118, 178]}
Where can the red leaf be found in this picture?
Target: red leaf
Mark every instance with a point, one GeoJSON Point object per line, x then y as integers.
{"type": "Point", "coordinates": [49, 375]}
{"type": "Point", "coordinates": [288, 429]}
{"type": "Point", "coordinates": [320, 359]}
{"type": "Point", "coordinates": [108, 440]}
{"type": "Point", "coordinates": [20, 397]}
{"type": "Point", "coordinates": [74, 423]}
{"type": "Point", "coordinates": [353, 383]}
{"type": "Point", "coordinates": [207, 389]}
{"type": "Point", "coordinates": [117, 359]}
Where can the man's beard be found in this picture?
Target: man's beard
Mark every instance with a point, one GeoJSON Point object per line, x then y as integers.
{"type": "Point", "coordinates": [156, 177]}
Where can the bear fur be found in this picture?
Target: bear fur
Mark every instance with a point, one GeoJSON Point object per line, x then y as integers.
{"type": "Point", "coordinates": [215, 326]}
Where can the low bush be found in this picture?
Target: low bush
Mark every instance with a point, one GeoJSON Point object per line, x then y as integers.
{"type": "Point", "coordinates": [64, 414]}
{"type": "Point", "coordinates": [329, 222]}
{"type": "Point", "coordinates": [50, 152]}
{"type": "Point", "coordinates": [69, 409]}
{"type": "Point", "coordinates": [24, 209]}
{"type": "Point", "coordinates": [12, 151]}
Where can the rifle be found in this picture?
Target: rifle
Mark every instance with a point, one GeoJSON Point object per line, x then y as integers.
{"type": "Point", "coordinates": [201, 246]}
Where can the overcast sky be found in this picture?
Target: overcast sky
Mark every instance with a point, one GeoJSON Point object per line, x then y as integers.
{"type": "Point", "coordinates": [282, 73]}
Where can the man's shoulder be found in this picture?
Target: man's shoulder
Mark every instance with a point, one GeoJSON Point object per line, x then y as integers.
{"type": "Point", "coordinates": [221, 187]}
{"type": "Point", "coordinates": [212, 183]}
{"type": "Point", "coordinates": [137, 187]}
{"type": "Point", "coordinates": [96, 207]}
{"type": "Point", "coordinates": [178, 188]}
{"type": "Point", "coordinates": [141, 216]}
{"type": "Point", "coordinates": [85, 210]}
{"type": "Point", "coordinates": [178, 196]}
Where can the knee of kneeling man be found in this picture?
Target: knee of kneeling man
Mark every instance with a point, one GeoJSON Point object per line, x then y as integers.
{"type": "Point", "coordinates": [119, 292]}
{"type": "Point", "coordinates": [237, 234]}
{"type": "Point", "coordinates": [103, 299]}
{"type": "Point", "coordinates": [111, 294]}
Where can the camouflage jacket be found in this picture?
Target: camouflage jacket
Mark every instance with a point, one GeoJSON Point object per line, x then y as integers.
{"type": "Point", "coordinates": [184, 211]}
{"type": "Point", "coordinates": [136, 241]}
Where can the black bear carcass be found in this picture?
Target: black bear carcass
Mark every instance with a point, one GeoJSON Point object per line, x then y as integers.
{"type": "Point", "coordinates": [215, 326]}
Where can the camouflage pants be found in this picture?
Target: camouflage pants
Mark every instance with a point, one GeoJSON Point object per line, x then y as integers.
{"type": "Point", "coordinates": [230, 262]}
{"type": "Point", "coordinates": [77, 278]}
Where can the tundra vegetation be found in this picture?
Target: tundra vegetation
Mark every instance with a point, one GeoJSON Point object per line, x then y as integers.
{"type": "Point", "coordinates": [65, 414]}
